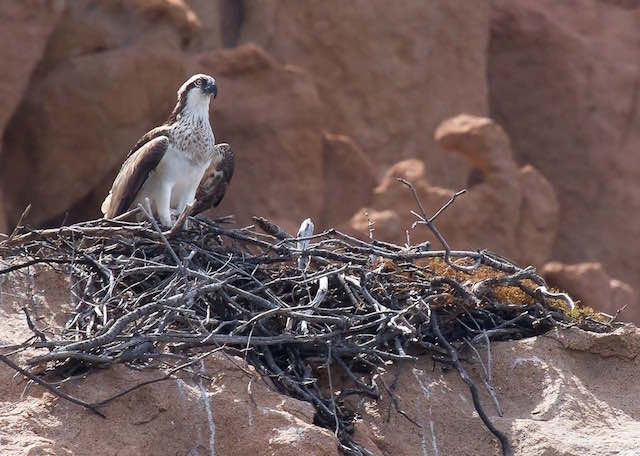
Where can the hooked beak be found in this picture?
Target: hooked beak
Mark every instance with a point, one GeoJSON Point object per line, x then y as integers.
{"type": "Point", "coordinates": [211, 88]}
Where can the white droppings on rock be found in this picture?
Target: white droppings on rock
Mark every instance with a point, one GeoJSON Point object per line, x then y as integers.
{"type": "Point", "coordinates": [207, 407]}
{"type": "Point", "coordinates": [522, 360]}
{"type": "Point", "coordinates": [287, 435]}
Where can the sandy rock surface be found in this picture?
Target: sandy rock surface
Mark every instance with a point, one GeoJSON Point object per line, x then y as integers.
{"type": "Point", "coordinates": [565, 393]}
{"type": "Point", "coordinates": [208, 410]}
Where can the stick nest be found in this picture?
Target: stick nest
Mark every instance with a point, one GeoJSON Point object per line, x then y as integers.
{"type": "Point", "coordinates": [291, 306]}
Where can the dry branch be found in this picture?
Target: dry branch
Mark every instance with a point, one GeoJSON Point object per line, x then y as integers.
{"type": "Point", "coordinates": [144, 295]}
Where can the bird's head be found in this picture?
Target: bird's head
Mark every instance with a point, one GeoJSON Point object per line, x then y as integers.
{"type": "Point", "coordinates": [194, 95]}
{"type": "Point", "coordinates": [201, 85]}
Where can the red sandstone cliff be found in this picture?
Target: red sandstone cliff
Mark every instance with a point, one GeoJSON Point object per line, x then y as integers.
{"type": "Point", "coordinates": [326, 102]}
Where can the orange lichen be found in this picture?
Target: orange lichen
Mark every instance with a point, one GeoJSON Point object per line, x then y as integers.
{"type": "Point", "coordinates": [511, 295]}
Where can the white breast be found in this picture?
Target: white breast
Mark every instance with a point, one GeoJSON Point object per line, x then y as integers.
{"type": "Point", "coordinates": [185, 176]}
{"type": "Point", "coordinates": [172, 184]}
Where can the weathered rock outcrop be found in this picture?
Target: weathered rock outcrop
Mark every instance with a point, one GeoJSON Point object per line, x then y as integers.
{"type": "Point", "coordinates": [565, 393]}
{"type": "Point", "coordinates": [565, 87]}
{"type": "Point", "coordinates": [209, 410]}
{"type": "Point", "coordinates": [110, 74]}
{"type": "Point", "coordinates": [83, 79]}
{"type": "Point", "coordinates": [509, 210]}
{"type": "Point", "coordinates": [24, 30]}
{"type": "Point", "coordinates": [279, 156]}
{"type": "Point", "coordinates": [4, 224]}
{"type": "Point", "coordinates": [349, 178]}
{"type": "Point", "coordinates": [107, 76]}
{"type": "Point", "coordinates": [388, 74]}
{"type": "Point", "coordinates": [591, 284]}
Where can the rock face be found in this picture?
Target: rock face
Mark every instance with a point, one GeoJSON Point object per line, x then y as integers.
{"type": "Point", "coordinates": [565, 88]}
{"type": "Point", "coordinates": [388, 74]}
{"type": "Point", "coordinates": [557, 392]}
{"type": "Point", "coordinates": [591, 284]}
{"type": "Point", "coordinates": [208, 411]}
{"type": "Point", "coordinates": [279, 157]}
{"type": "Point", "coordinates": [4, 224]}
{"type": "Point", "coordinates": [110, 74]}
{"type": "Point", "coordinates": [349, 178]}
{"type": "Point", "coordinates": [325, 103]}
{"type": "Point", "coordinates": [190, 415]}
{"type": "Point", "coordinates": [99, 78]}
{"type": "Point", "coordinates": [538, 220]}
{"type": "Point", "coordinates": [24, 28]}
{"type": "Point", "coordinates": [509, 210]}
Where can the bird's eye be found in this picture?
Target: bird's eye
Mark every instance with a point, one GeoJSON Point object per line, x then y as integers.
{"type": "Point", "coordinates": [198, 82]}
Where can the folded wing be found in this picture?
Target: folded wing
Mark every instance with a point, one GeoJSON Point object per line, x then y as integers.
{"type": "Point", "coordinates": [133, 174]}
{"type": "Point", "coordinates": [216, 179]}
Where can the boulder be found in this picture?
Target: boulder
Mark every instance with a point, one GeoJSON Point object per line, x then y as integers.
{"type": "Point", "coordinates": [565, 88]}
{"type": "Point", "coordinates": [109, 74]}
{"type": "Point", "coordinates": [507, 209]}
{"type": "Point", "coordinates": [590, 283]}
{"type": "Point", "coordinates": [388, 73]}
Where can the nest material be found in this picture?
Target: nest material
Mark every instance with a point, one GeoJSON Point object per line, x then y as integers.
{"type": "Point", "coordinates": [288, 304]}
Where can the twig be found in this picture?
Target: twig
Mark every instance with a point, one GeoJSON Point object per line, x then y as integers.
{"type": "Point", "coordinates": [331, 393]}
{"type": "Point", "coordinates": [486, 378]}
{"type": "Point", "coordinates": [167, 376]}
{"type": "Point", "coordinates": [238, 288]}
{"type": "Point", "coordinates": [50, 387]}
{"type": "Point", "coordinates": [24, 215]}
{"type": "Point", "coordinates": [180, 222]}
{"type": "Point", "coordinates": [424, 219]}
{"type": "Point", "coordinates": [453, 353]}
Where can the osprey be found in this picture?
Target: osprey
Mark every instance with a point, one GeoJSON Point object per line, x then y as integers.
{"type": "Point", "coordinates": [172, 163]}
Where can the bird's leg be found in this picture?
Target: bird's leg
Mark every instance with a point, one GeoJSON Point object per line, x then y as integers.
{"type": "Point", "coordinates": [182, 221]}
{"type": "Point", "coordinates": [188, 198]}
{"type": "Point", "coordinates": [147, 204]}
{"type": "Point", "coordinates": [186, 204]}
{"type": "Point", "coordinates": [163, 201]}
{"type": "Point", "coordinates": [146, 207]}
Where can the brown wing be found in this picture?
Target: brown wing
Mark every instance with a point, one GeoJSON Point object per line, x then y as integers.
{"type": "Point", "coordinates": [215, 181]}
{"type": "Point", "coordinates": [162, 130]}
{"type": "Point", "coordinates": [132, 175]}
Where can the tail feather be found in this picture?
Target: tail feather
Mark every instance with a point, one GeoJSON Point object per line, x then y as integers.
{"type": "Point", "coordinates": [105, 205]}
